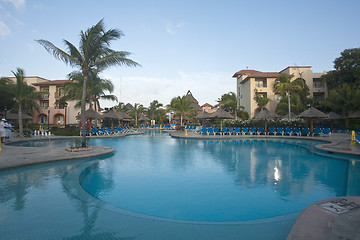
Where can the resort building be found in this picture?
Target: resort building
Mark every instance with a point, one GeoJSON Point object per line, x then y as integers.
{"type": "Point", "coordinates": [52, 112]}
{"type": "Point", "coordinates": [207, 107]}
{"type": "Point", "coordinates": [250, 81]}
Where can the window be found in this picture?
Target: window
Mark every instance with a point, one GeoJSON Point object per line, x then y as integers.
{"type": "Point", "coordinates": [319, 96]}
{"type": "Point", "coordinates": [46, 94]}
{"type": "Point", "coordinates": [317, 83]}
{"type": "Point", "coordinates": [260, 82]}
{"type": "Point", "coordinates": [44, 104]}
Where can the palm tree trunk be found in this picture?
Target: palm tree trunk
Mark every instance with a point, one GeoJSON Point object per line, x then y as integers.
{"type": "Point", "coordinates": [288, 93]}
{"type": "Point", "coordinates": [83, 103]}
{"type": "Point", "coordinates": [181, 120]}
{"type": "Point", "coordinates": [20, 121]}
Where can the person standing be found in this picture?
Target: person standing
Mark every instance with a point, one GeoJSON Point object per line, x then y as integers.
{"type": "Point", "coordinates": [8, 127]}
{"type": "Point", "coordinates": [2, 129]}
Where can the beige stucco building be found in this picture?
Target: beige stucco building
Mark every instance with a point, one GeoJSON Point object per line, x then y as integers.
{"type": "Point", "coordinates": [51, 112]}
{"type": "Point", "coordinates": [248, 81]}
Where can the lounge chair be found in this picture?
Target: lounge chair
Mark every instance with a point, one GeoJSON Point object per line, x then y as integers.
{"type": "Point", "coordinates": [95, 131]}
{"type": "Point", "coordinates": [317, 131]}
{"type": "Point", "coordinates": [288, 131]}
{"type": "Point", "coordinates": [231, 131]}
{"type": "Point", "coordinates": [357, 139]}
{"type": "Point", "coordinates": [237, 131]}
{"type": "Point", "coordinates": [305, 132]}
{"type": "Point", "coordinates": [210, 130]}
{"type": "Point", "coordinates": [272, 131]}
{"type": "Point", "coordinates": [253, 131]}
{"type": "Point", "coordinates": [225, 131]}
{"type": "Point", "coordinates": [260, 131]}
{"type": "Point", "coordinates": [104, 131]}
{"type": "Point", "coordinates": [203, 130]}
{"type": "Point", "coordinates": [280, 131]}
{"type": "Point", "coordinates": [245, 131]}
{"type": "Point", "coordinates": [296, 131]}
{"type": "Point", "coordinates": [217, 131]}
{"type": "Point", "coordinates": [326, 131]}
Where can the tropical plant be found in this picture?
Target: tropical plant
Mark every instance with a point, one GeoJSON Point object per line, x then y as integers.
{"type": "Point", "coordinates": [92, 55]}
{"type": "Point", "coordinates": [136, 111]}
{"type": "Point", "coordinates": [228, 102]}
{"type": "Point", "coordinates": [344, 99]}
{"type": "Point", "coordinates": [25, 96]}
{"type": "Point", "coordinates": [261, 100]}
{"type": "Point", "coordinates": [121, 107]}
{"type": "Point", "coordinates": [7, 96]}
{"type": "Point", "coordinates": [284, 86]}
{"type": "Point", "coordinates": [181, 106]}
{"type": "Point", "coordinates": [153, 109]}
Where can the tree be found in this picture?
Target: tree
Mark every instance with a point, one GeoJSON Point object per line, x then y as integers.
{"type": "Point", "coordinates": [25, 96]}
{"type": "Point", "coordinates": [261, 101]}
{"type": "Point", "coordinates": [347, 69]}
{"type": "Point", "coordinates": [93, 54]}
{"type": "Point", "coordinates": [154, 108]}
{"type": "Point", "coordinates": [228, 102]}
{"type": "Point", "coordinates": [7, 96]}
{"type": "Point", "coordinates": [180, 105]}
{"type": "Point", "coordinates": [284, 86]}
{"type": "Point", "coordinates": [344, 99]}
{"type": "Point", "coordinates": [121, 107]}
{"type": "Point", "coordinates": [138, 108]}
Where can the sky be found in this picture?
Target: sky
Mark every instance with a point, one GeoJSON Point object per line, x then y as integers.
{"type": "Point", "coordinates": [182, 45]}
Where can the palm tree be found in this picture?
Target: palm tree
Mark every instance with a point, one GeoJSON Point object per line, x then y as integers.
{"type": "Point", "coordinates": [284, 86]}
{"type": "Point", "coordinates": [260, 100]}
{"type": "Point", "coordinates": [228, 102]}
{"type": "Point", "coordinates": [7, 96]}
{"type": "Point", "coordinates": [180, 105]}
{"type": "Point", "coordinates": [93, 54]}
{"type": "Point", "coordinates": [138, 108]}
{"type": "Point", "coordinates": [121, 107]}
{"type": "Point", "coordinates": [26, 96]}
{"type": "Point", "coordinates": [344, 99]}
{"type": "Point", "coordinates": [153, 108]}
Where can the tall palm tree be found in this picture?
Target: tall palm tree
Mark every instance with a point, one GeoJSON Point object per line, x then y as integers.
{"type": "Point", "coordinates": [121, 107]}
{"type": "Point", "coordinates": [153, 108]}
{"type": "Point", "coordinates": [284, 86]}
{"type": "Point", "coordinates": [138, 108]}
{"type": "Point", "coordinates": [26, 96]}
{"type": "Point", "coordinates": [93, 54]}
{"type": "Point", "coordinates": [180, 105]}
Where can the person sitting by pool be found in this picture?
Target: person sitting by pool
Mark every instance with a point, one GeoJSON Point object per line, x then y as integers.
{"type": "Point", "coordinates": [2, 129]}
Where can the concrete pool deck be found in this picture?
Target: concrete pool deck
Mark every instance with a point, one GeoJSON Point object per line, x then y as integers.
{"type": "Point", "coordinates": [314, 222]}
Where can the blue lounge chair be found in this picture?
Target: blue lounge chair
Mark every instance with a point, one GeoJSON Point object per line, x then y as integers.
{"type": "Point", "coordinates": [104, 131]}
{"type": "Point", "coordinates": [272, 131]}
{"type": "Point", "coordinates": [210, 130]}
{"type": "Point", "coordinates": [296, 131]}
{"type": "Point", "coordinates": [231, 131]}
{"type": "Point", "coordinates": [305, 132]}
{"type": "Point", "coordinates": [95, 131]}
{"type": "Point", "coordinates": [288, 131]}
{"type": "Point", "coordinates": [326, 131]}
{"type": "Point", "coordinates": [252, 131]}
{"type": "Point", "coordinates": [237, 131]}
{"type": "Point", "coordinates": [317, 131]}
{"type": "Point", "coordinates": [357, 139]}
{"type": "Point", "coordinates": [217, 131]}
{"type": "Point", "coordinates": [225, 131]}
{"type": "Point", "coordinates": [260, 131]}
{"type": "Point", "coordinates": [280, 131]}
{"type": "Point", "coordinates": [245, 131]}
{"type": "Point", "coordinates": [203, 130]}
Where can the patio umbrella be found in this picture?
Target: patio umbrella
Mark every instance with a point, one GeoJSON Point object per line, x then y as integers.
{"type": "Point", "coordinates": [334, 116]}
{"type": "Point", "coordinates": [312, 113]}
{"type": "Point", "coordinates": [265, 114]}
{"type": "Point", "coordinates": [15, 116]}
{"type": "Point", "coordinates": [203, 115]}
{"type": "Point", "coordinates": [90, 114]}
{"type": "Point", "coordinates": [221, 114]}
{"type": "Point", "coordinates": [112, 115]}
{"type": "Point", "coordinates": [354, 115]}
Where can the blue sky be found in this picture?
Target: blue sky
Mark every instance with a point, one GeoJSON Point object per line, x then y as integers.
{"type": "Point", "coordinates": [181, 44]}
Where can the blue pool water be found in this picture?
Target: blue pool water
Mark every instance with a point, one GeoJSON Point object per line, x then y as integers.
{"type": "Point", "coordinates": [202, 180]}
{"type": "Point", "coordinates": [157, 187]}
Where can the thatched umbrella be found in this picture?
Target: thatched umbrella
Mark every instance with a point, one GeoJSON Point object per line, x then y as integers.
{"type": "Point", "coordinates": [90, 114]}
{"type": "Point", "coordinates": [266, 115]}
{"type": "Point", "coordinates": [354, 115]}
{"type": "Point", "coordinates": [124, 117]}
{"type": "Point", "coordinates": [15, 116]}
{"type": "Point", "coordinates": [112, 115]}
{"type": "Point", "coordinates": [143, 118]}
{"type": "Point", "coordinates": [312, 113]}
{"type": "Point", "coordinates": [221, 114]}
{"type": "Point", "coordinates": [203, 115]}
{"type": "Point", "coordinates": [333, 116]}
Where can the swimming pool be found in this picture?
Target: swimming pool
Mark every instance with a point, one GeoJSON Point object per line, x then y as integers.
{"type": "Point", "coordinates": [157, 187]}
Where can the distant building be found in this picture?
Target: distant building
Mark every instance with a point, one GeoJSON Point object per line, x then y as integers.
{"type": "Point", "coordinates": [208, 108]}
{"type": "Point", "coordinates": [249, 80]}
{"type": "Point", "coordinates": [50, 111]}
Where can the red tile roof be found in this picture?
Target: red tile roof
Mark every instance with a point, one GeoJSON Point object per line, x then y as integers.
{"type": "Point", "coordinates": [54, 82]}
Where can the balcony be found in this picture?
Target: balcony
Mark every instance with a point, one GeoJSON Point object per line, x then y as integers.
{"type": "Point", "coordinates": [45, 96]}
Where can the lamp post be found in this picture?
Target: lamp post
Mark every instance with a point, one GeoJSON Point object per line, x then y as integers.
{"type": "Point", "coordinates": [65, 106]}
{"type": "Point", "coordinates": [48, 118]}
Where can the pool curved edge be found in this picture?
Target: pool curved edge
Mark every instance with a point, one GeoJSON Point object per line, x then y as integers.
{"type": "Point", "coordinates": [71, 182]}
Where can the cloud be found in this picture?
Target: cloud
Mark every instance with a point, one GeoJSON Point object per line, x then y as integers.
{"type": "Point", "coordinates": [205, 87]}
{"type": "Point", "coordinates": [18, 4]}
{"type": "Point", "coordinates": [4, 29]}
{"type": "Point", "coordinates": [172, 28]}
